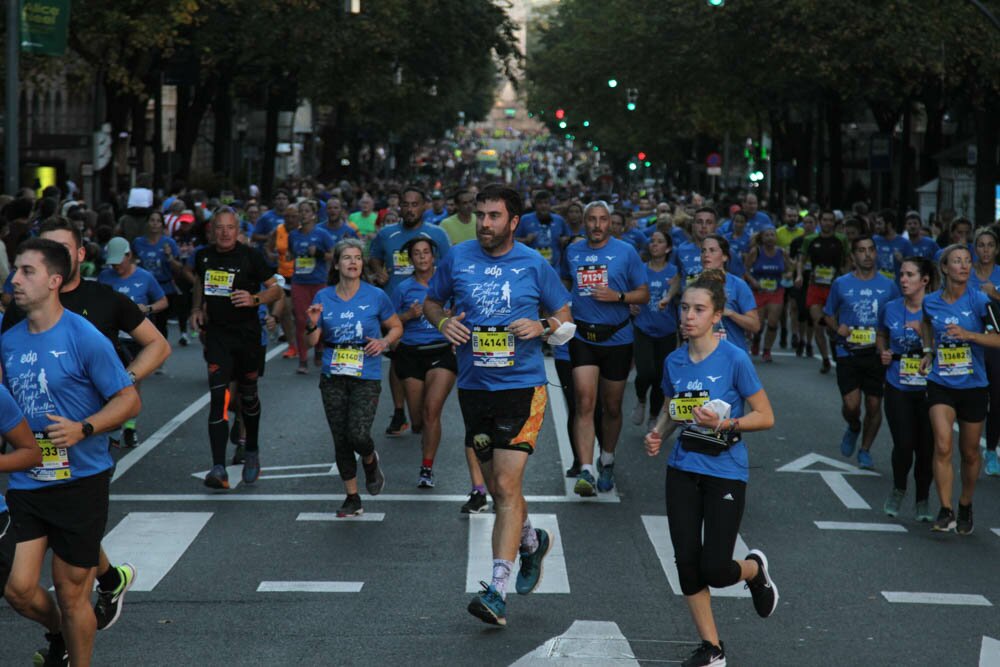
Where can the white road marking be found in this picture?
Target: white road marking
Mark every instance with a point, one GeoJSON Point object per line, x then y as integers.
{"type": "Point", "coordinates": [235, 475]}
{"type": "Point", "coordinates": [856, 525]}
{"type": "Point", "coordinates": [936, 598]}
{"type": "Point", "coordinates": [332, 516]}
{"type": "Point", "coordinates": [584, 643]}
{"type": "Point", "coordinates": [153, 542]}
{"type": "Point", "coordinates": [803, 463]}
{"type": "Point", "coordinates": [480, 562]}
{"type": "Point", "coordinates": [845, 492]}
{"type": "Point", "coordinates": [658, 531]}
{"type": "Point", "coordinates": [317, 497]}
{"type": "Point", "coordinates": [310, 586]}
{"type": "Point", "coordinates": [989, 652]}
{"type": "Point", "coordinates": [126, 462]}
{"type": "Point", "coordinates": [996, 531]}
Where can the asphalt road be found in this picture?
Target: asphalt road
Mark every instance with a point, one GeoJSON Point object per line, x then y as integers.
{"type": "Point", "coordinates": [243, 578]}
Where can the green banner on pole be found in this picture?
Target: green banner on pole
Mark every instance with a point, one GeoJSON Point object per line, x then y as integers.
{"type": "Point", "coordinates": [44, 24]}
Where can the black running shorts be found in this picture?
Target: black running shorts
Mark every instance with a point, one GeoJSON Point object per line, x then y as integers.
{"type": "Point", "coordinates": [8, 542]}
{"type": "Point", "coordinates": [413, 362]}
{"type": "Point", "coordinates": [233, 357]}
{"type": "Point", "coordinates": [970, 405]}
{"type": "Point", "coordinates": [861, 371]}
{"type": "Point", "coordinates": [502, 419]}
{"type": "Point", "coordinates": [614, 361]}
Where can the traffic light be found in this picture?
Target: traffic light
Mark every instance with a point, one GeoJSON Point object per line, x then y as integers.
{"type": "Point", "coordinates": [562, 125]}
{"type": "Point", "coordinates": [632, 166]}
{"type": "Point", "coordinates": [586, 123]}
{"type": "Point", "coordinates": [560, 114]}
{"type": "Point", "coordinates": [633, 96]}
{"type": "Point", "coordinates": [641, 155]}
{"type": "Point", "coordinates": [716, 3]}
{"type": "Point", "coordinates": [612, 83]}
{"type": "Point", "coordinates": [647, 163]}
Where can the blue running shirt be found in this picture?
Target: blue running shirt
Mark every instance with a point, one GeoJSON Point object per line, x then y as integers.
{"type": "Point", "coordinates": [418, 331]}
{"type": "Point", "coordinates": [615, 265]}
{"type": "Point", "coordinates": [310, 269]}
{"type": "Point", "coordinates": [141, 287]}
{"type": "Point", "coordinates": [346, 328]}
{"type": "Point", "coordinates": [10, 417]}
{"type": "Point", "coordinates": [388, 247]}
{"type": "Point", "coordinates": [957, 364]}
{"type": "Point", "coordinates": [859, 304]}
{"type": "Point", "coordinates": [651, 320]}
{"type": "Point", "coordinates": [546, 240]}
{"type": "Point", "coordinates": [153, 258]}
{"type": "Point", "coordinates": [904, 373]}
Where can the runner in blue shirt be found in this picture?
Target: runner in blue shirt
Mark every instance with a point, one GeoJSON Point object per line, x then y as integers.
{"type": "Point", "coordinates": [740, 317]}
{"type": "Point", "coordinates": [905, 406]}
{"type": "Point", "coordinates": [160, 255]}
{"type": "Point", "coordinates": [26, 455]}
{"type": "Point", "coordinates": [954, 337]}
{"type": "Point", "coordinates": [268, 222]}
{"type": "Point", "coordinates": [348, 317]}
{"type": "Point", "coordinates": [687, 256]}
{"type": "Point", "coordinates": [67, 379]}
{"type": "Point", "coordinates": [985, 278]}
{"type": "Point", "coordinates": [891, 247]}
{"type": "Point", "coordinates": [739, 238]}
{"type": "Point", "coordinates": [708, 468]}
{"type": "Point", "coordinates": [608, 277]}
{"type": "Point", "coordinates": [499, 288]}
{"type": "Point", "coordinates": [655, 328]}
{"type": "Point", "coordinates": [437, 212]}
{"type": "Point", "coordinates": [391, 265]}
{"type": "Point", "coordinates": [310, 248]}
{"type": "Point", "coordinates": [921, 245]}
{"type": "Point", "coordinates": [852, 311]}
{"type": "Point", "coordinates": [335, 225]}
{"type": "Point", "coordinates": [767, 270]}
{"type": "Point", "coordinates": [543, 230]}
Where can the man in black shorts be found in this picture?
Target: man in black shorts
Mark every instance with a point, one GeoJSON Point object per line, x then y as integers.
{"type": "Point", "coordinates": [228, 277]}
{"type": "Point", "coordinates": [607, 276]}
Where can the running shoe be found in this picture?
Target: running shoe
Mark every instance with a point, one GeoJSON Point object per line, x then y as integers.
{"type": "Point", "coordinates": [585, 485]}
{"type": "Point", "coordinates": [606, 478]}
{"type": "Point", "coordinates": [762, 588]}
{"type": "Point", "coordinates": [240, 454]}
{"type": "Point", "coordinates": [475, 504]}
{"type": "Point", "coordinates": [109, 603]}
{"type": "Point", "coordinates": [992, 464]}
{"type": "Point", "coordinates": [303, 369]}
{"type": "Point", "coordinates": [53, 654]}
{"type": "Point", "coordinates": [707, 655]}
{"type": "Point", "coordinates": [489, 606]}
{"type": "Point", "coordinates": [865, 460]}
{"type": "Point", "coordinates": [129, 439]}
{"type": "Point", "coordinates": [945, 521]}
{"type": "Point", "coordinates": [290, 353]}
{"type": "Point", "coordinates": [374, 478]}
{"type": "Point", "coordinates": [397, 425]}
{"type": "Point", "coordinates": [183, 340]}
{"type": "Point", "coordinates": [893, 502]}
{"type": "Point", "coordinates": [351, 507]}
{"type": "Point", "coordinates": [964, 524]}
{"type": "Point", "coordinates": [573, 470]}
{"type": "Point", "coordinates": [825, 368]}
{"type": "Point", "coordinates": [217, 477]}
{"type": "Point", "coordinates": [426, 480]}
{"type": "Point", "coordinates": [638, 413]}
{"type": "Point", "coordinates": [251, 467]}
{"type": "Point", "coordinates": [767, 357]}
{"type": "Point", "coordinates": [923, 511]}
{"type": "Point", "coordinates": [849, 442]}
{"type": "Point", "coordinates": [530, 574]}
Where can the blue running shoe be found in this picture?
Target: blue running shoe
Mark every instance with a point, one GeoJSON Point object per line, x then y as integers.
{"type": "Point", "coordinates": [585, 485]}
{"type": "Point", "coordinates": [530, 574]}
{"type": "Point", "coordinates": [992, 464]}
{"type": "Point", "coordinates": [849, 442]}
{"type": "Point", "coordinates": [251, 467]}
{"type": "Point", "coordinates": [606, 480]}
{"type": "Point", "coordinates": [217, 477]}
{"type": "Point", "coordinates": [865, 460]}
{"type": "Point", "coordinates": [489, 606]}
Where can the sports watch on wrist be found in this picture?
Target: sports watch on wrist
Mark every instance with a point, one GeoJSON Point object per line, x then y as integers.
{"type": "Point", "coordinates": [88, 429]}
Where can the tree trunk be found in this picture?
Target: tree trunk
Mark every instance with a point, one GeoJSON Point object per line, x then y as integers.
{"type": "Point", "coordinates": [222, 145]}
{"type": "Point", "coordinates": [270, 145]}
{"type": "Point", "coordinates": [836, 143]}
{"type": "Point", "coordinates": [905, 196]}
{"type": "Point", "coordinates": [190, 110]}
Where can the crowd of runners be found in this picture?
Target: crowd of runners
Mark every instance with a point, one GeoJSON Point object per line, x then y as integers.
{"type": "Point", "coordinates": [475, 286]}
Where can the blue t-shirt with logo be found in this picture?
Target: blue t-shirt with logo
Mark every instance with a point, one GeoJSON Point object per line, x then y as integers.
{"type": "Point", "coordinates": [615, 265]}
{"type": "Point", "coordinates": [309, 269]}
{"type": "Point", "coordinates": [266, 224]}
{"type": "Point", "coordinates": [418, 331]}
{"type": "Point", "coordinates": [493, 292]}
{"type": "Point", "coordinates": [976, 284]}
{"type": "Point", "coordinates": [387, 246]}
{"type": "Point", "coordinates": [726, 374]}
{"type": "Point", "coordinates": [886, 250]}
{"type": "Point", "coordinates": [739, 299]}
{"type": "Point", "coordinates": [70, 370]}
{"type": "Point", "coordinates": [344, 231]}
{"type": "Point", "coordinates": [347, 326]}
{"type": "Point", "coordinates": [902, 341]}
{"type": "Point", "coordinates": [651, 320]}
{"type": "Point", "coordinates": [141, 286]}
{"type": "Point", "coordinates": [546, 240]}
{"type": "Point", "coordinates": [10, 417]}
{"type": "Point", "coordinates": [432, 218]}
{"type": "Point", "coordinates": [635, 238]}
{"type": "Point", "coordinates": [687, 257]}
{"type": "Point", "coordinates": [925, 247]}
{"type": "Point", "coordinates": [738, 247]}
{"type": "Point", "coordinates": [153, 258]}
{"type": "Point", "coordinates": [964, 364]}
{"type": "Point", "coordinates": [859, 304]}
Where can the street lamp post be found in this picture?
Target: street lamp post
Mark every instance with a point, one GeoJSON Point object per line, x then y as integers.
{"type": "Point", "coordinates": [11, 165]}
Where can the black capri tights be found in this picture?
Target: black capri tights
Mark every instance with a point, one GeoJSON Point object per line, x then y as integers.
{"type": "Point", "coordinates": [695, 501]}
{"type": "Point", "coordinates": [350, 405]}
{"type": "Point", "coordinates": [912, 438]}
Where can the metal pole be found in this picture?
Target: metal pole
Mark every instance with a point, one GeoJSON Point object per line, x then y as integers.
{"type": "Point", "coordinates": [13, 95]}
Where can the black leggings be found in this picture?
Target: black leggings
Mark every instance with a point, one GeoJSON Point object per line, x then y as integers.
{"type": "Point", "coordinates": [649, 354]}
{"type": "Point", "coordinates": [564, 369]}
{"type": "Point", "coordinates": [912, 438]}
{"type": "Point", "coordinates": [694, 502]}
{"type": "Point", "coordinates": [993, 416]}
{"type": "Point", "coordinates": [350, 405]}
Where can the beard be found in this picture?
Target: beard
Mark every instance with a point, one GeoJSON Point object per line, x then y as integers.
{"type": "Point", "coordinates": [491, 241]}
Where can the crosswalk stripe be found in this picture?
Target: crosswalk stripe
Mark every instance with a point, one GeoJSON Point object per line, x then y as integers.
{"type": "Point", "coordinates": [332, 516]}
{"type": "Point", "coordinates": [153, 542]}
{"type": "Point", "coordinates": [862, 526]}
{"type": "Point", "coordinates": [937, 598]}
{"type": "Point", "coordinates": [659, 534]}
{"type": "Point", "coordinates": [480, 562]}
{"type": "Point", "coordinates": [310, 586]}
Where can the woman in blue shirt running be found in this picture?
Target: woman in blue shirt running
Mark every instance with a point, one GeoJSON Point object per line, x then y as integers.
{"type": "Point", "coordinates": [707, 470]}
{"type": "Point", "coordinates": [740, 316]}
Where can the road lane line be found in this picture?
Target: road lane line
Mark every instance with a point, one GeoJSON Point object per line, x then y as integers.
{"type": "Point", "coordinates": [480, 562]}
{"type": "Point", "coordinates": [310, 586]}
{"type": "Point", "coordinates": [153, 542]}
{"type": "Point", "coordinates": [332, 516]}
{"type": "Point", "coordinates": [937, 598]}
{"type": "Point", "coordinates": [857, 525]}
{"type": "Point", "coordinates": [658, 531]}
{"type": "Point", "coordinates": [844, 491]}
{"type": "Point", "coordinates": [584, 643]}
{"type": "Point", "coordinates": [996, 531]}
{"type": "Point", "coordinates": [126, 462]}
{"type": "Point", "coordinates": [319, 497]}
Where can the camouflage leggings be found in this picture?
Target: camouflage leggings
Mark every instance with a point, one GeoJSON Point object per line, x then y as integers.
{"type": "Point", "coordinates": [350, 406]}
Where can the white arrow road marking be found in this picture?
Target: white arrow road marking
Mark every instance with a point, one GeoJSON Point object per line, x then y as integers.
{"type": "Point", "coordinates": [989, 653]}
{"type": "Point", "coordinates": [235, 475]}
{"type": "Point", "coordinates": [833, 478]}
{"type": "Point", "coordinates": [480, 561]}
{"type": "Point", "coordinates": [937, 598]}
{"type": "Point", "coordinates": [658, 531]}
{"type": "Point", "coordinates": [845, 492]}
{"type": "Point", "coordinates": [584, 643]}
{"type": "Point", "coordinates": [153, 542]}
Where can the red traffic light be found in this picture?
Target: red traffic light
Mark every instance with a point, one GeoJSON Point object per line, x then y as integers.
{"type": "Point", "coordinates": [641, 155]}
{"type": "Point", "coordinates": [560, 114]}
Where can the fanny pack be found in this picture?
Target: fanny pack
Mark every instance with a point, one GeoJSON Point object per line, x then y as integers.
{"type": "Point", "coordinates": [598, 333]}
{"type": "Point", "coordinates": [710, 444]}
